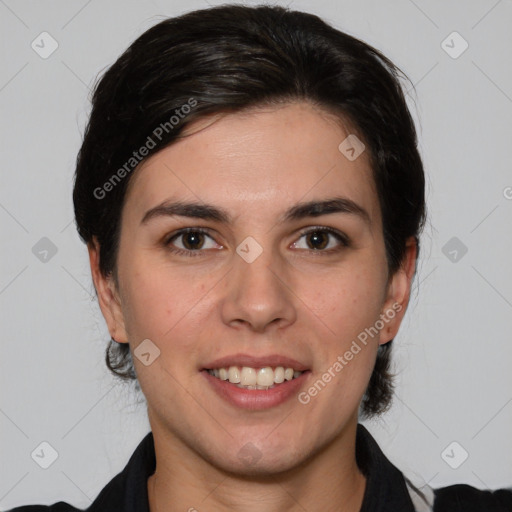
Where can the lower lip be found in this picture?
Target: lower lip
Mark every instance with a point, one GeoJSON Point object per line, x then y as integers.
{"type": "Point", "coordinates": [256, 399]}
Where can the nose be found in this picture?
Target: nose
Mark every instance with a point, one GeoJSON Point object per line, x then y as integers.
{"type": "Point", "coordinates": [258, 294]}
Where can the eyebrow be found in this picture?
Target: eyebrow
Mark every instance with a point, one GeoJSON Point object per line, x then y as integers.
{"type": "Point", "coordinates": [299, 211]}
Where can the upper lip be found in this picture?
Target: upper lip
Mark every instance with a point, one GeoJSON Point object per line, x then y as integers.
{"type": "Point", "coordinates": [272, 360]}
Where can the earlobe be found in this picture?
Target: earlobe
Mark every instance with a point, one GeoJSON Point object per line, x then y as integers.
{"type": "Point", "coordinates": [108, 296]}
{"type": "Point", "coordinates": [399, 290]}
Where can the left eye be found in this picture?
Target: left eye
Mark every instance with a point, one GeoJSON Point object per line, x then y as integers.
{"type": "Point", "coordinates": [320, 239]}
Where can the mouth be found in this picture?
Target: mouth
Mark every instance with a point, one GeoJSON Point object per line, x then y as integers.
{"type": "Point", "coordinates": [256, 383]}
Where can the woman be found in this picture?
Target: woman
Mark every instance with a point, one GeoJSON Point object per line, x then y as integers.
{"type": "Point", "coordinates": [251, 195]}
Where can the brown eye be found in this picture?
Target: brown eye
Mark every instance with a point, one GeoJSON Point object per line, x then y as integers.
{"type": "Point", "coordinates": [191, 242]}
{"type": "Point", "coordinates": [322, 240]}
{"type": "Point", "coordinates": [317, 239]}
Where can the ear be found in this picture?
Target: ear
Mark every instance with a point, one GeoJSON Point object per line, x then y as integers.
{"type": "Point", "coordinates": [398, 293]}
{"type": "Point", "coordinates": [108, 295]}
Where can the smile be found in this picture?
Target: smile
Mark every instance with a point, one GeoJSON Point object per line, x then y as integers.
{"type": "Point", "coordinates": [246, 377]}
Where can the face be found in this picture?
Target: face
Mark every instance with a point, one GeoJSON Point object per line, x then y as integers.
{"type": "Point", "coordinates": [280, 264]}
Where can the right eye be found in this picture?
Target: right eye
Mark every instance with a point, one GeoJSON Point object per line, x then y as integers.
{"type": "Point", "coordinates": [192, 240]}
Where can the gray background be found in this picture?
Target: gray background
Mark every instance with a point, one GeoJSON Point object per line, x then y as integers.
{"type": "Point", "coordinates": [453, 354]}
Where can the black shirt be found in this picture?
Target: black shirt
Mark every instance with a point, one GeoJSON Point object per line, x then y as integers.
{"type": "Point", "coordinates": [387, 490]}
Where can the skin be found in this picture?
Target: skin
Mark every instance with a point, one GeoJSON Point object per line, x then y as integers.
{"type": "Point", "coordinates": [294, 300]}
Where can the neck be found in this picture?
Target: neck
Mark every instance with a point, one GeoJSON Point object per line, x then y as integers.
{"type": "Point", "coordinates": [329, 481]}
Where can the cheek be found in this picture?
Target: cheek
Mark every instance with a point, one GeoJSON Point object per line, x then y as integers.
{"type": "Point", "coordinates": [345, 355]}
{"type": "Point", "coordinates": [349, 305]}
{"type": "Point", "coordinates": [165, 305]}
{"type": "Point", "coordinates": [349, 300]}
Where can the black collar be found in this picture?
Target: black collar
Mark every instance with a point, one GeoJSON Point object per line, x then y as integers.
{"type": "Point", "coordinates": [385, 491]}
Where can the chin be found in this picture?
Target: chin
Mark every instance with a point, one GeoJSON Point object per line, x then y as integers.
{"type": "Point", "coordinates": [259, 458]}
{"type": "Point", "coordinates": [254, 463]}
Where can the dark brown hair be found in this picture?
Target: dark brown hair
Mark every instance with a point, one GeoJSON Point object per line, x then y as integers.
{"type": "Point", "coordinates": [229, 59]}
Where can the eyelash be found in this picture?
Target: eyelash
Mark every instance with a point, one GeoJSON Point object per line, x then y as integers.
{"type": "Point", "coordinates": [343, 239]}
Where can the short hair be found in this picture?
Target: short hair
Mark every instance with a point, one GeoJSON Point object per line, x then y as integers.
{"type": "Point", "coordinates": [228, 59]}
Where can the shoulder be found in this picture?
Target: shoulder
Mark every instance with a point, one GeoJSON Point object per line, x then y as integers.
{"type": "Point", "coordinates": [464, 498]}
{"type": "Point", "coordinates": [56, 507]}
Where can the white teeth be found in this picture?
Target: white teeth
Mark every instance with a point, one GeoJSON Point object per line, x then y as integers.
{"type": "Point", "coordinates": [288, 374]}
{"type": "Point", "coordinates": [251, 378]}
{"type": "Point", "coordinates": [265, 377]}
{"type": "Point", "coordinates": [248, 376]}
{"type": "Point", "coordinates": [279, 375]}
{"type": "Point", "coordinates": [234, 374]}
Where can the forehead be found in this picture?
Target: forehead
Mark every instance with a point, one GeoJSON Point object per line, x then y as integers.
{"type": "Point", "coordinates": [257, 162]}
